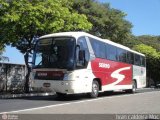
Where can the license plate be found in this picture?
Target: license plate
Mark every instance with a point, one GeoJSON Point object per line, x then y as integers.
{"type": "Point", "coordinates": [46, 84]}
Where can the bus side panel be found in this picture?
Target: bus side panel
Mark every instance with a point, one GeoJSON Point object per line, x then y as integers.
{"type": "Point", "coordinates": [139, 74]}
{"type": "Point", "coordinates": [113, 75]}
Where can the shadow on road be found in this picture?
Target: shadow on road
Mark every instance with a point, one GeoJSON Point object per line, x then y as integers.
{"type": "Point", "coordinates": [76, 97]}
{"type": "Point", "coordinates": [70, 97]}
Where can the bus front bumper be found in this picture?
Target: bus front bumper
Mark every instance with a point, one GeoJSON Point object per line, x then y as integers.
{"type": "Point", "coordinates": [62, 86]}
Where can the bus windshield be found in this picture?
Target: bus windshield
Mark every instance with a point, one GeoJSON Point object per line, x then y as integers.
{"type": "Point", "coordinates": [55, 52]}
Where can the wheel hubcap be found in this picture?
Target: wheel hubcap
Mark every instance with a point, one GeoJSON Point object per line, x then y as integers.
{"type": "Point", "coordinates": [134, 87]}
{"type": "Point", "coordinates": [95, 88]}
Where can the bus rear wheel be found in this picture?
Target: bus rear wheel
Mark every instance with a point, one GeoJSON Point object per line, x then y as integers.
{"type": "Point", "coordinates": [134, 87]}
{"type": "Point", "coordinates": [95, 89]}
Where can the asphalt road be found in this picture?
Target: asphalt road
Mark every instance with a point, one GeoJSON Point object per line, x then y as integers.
{"type": "Point", "coordinates": [144, 101]}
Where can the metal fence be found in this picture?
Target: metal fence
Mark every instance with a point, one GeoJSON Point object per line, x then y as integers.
{"type": "Point", "coordinates": [12, 77]}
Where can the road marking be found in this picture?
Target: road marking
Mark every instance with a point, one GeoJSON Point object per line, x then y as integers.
{"type": "Point", "coordinates": [62, 104]}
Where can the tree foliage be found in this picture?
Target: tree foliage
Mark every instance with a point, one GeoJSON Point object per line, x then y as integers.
{"type": "Point", "coordinates": [24, 19]}
{"type": "Point", "coordinates": [131, 41]}
{"type": "Point", "coordinates": [153, 41]}
{"type": "Point", "coordinates": [108, 22]}
{"type": "Point", "coordinates": [152, 60]}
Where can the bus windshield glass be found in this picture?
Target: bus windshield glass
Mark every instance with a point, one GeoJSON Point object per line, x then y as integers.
{"type": "Point", "coordinates": [55, 52]}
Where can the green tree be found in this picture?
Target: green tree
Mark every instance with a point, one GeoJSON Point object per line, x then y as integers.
{"type": "Point", "coordinates": [25, 20]}
{"type": "Point", "coordinates": [153, 41]}
{"type": "Point", "coordinates": [152, 60]}
{"type": "Point", "coordinates": [131, 41]}
{"type": "Point", "coordinates": [107, 22]}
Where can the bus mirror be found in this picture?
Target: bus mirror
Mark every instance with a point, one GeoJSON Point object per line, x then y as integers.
{"type": "Point", "coordinates": [81, 55]}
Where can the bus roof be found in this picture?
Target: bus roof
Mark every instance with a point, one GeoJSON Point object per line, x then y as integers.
{"type": "Point", "coordinates": [79, 34]}
{"type": "Point", "coordinates": [69, 34]}
{"type": "Point", "coordinates": [122, 46]}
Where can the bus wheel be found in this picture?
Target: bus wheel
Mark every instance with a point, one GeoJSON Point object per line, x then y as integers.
{"type": "Point", "coordinates": [60, 95]}
{"type": "Point", "coordinates": [95, 89]}
{"type": "Point", "coordinates": [134, 87]}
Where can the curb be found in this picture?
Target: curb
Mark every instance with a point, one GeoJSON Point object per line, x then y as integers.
{"type": "Point", "coordinates": [24, 95]}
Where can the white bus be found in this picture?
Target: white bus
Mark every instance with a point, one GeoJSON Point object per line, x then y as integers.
{"type": "Point", "coordinates": [78, 62]}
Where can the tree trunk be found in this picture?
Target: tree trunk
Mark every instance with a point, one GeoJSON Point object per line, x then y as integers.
{"type": "Point", "coordinates": [26, 87]}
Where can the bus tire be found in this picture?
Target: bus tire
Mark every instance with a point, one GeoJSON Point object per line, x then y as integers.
{"type": "Point", "coordinates": [60, 95]}
{"type": "Point", "coordinates": [95, 89]}
{"type": "Point", "coordinates": [134, 87]}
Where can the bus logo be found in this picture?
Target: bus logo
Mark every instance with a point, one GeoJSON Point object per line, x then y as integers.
{"type": "Point", "coordinates": [42, 74]}
{"type": "Point", "coordinates": [120, 77]}
{"type": "Point", "coordinates": [104, 65]}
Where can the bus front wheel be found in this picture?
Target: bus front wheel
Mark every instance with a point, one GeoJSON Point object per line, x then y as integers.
{"type": "Point", "coordinates": [95, 89]}
{"type": "Point", "coordinates": [60, 95]}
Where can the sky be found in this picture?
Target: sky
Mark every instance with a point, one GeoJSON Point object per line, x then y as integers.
{"type": "Point", "coordinates": [143, 14]}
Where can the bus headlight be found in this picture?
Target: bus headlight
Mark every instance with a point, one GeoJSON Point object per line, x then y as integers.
{"type": "Point", "coordinates": [65, 77]}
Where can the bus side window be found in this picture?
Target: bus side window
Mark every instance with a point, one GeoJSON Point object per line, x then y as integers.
{"type": "Point", "coordinates": [121, 55]}
{"type": "Point", "coordinates": [143, 63]}
{"type": "Point", "coordinates": [130, 57]}
{"type": "Point", "coordinates": [98, 48]}
{"type": "Point", "coordinates": [111, 52]}
{"type": "Point", "coordinates": [137, 60]}
{"type": "Point", "coordinates": [83, 46]}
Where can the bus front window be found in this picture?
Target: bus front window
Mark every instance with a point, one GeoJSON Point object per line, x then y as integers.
{"type": "Point", "coordinates": [55, 53]}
